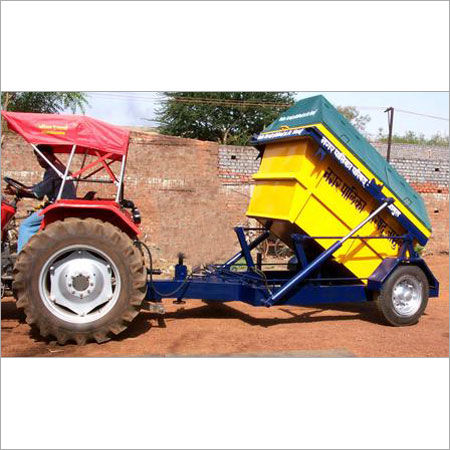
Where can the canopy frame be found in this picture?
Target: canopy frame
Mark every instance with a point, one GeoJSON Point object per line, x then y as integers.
{"type": "Point", "coordinates": [100, 162]}
{"type": "Point", "coordinates": [72, 134]}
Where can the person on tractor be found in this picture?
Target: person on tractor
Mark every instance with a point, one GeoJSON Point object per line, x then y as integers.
{"type": "Point", "coordinates": [48, 187]}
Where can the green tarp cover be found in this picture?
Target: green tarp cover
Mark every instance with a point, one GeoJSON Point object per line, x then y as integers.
{"type": "Point", "coordinates": [318, 109]}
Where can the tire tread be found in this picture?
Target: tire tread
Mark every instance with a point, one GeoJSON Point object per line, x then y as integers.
{"type": "Point", "coordinates": [54, 233]}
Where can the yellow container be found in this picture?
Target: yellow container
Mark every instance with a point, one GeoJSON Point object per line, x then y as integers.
{"type": "Point", "coordinates": [299, 192]}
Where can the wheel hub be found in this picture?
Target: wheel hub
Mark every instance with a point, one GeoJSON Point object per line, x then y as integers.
{"type": "Point", "coordinates": [79, 285]}
{"type": "Point", "coordinates": [407, 296]}
{"type": "Point", "coordinates": [80, 282]}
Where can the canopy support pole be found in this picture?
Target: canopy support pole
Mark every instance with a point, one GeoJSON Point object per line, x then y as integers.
{"type": "Point", "coordinates": [60, 174]}
{"type": "Point", "coordinates": [74, 147]}
{"type": "Point", "coordinates": [81, 168]}
{"type": "Point", "coordinates": [120, 187]}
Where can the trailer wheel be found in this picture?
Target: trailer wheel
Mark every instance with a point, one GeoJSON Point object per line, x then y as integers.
{"type": "Point", "coordinates": [80, 280]}
{"type": "Point", "coordinates": [404, 296]}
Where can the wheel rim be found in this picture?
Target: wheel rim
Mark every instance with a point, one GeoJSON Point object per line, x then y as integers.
{"type": "Point", "coordinates": [79, 284]}
{"type": "Point", "coordinates": [407, 295]}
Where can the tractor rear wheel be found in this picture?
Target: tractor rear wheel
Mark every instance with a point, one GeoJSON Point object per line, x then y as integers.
{"type": "Point", "coordinates": [404, 296]}
{"type": "Point", "coordinates": [80, 280]}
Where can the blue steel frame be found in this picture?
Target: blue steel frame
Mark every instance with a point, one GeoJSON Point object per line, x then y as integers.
{"type": "Point", "coordinates": [284, 287]}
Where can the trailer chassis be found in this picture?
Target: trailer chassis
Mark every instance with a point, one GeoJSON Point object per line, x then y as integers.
{"type": "Point", "coordinates": [304, 287]}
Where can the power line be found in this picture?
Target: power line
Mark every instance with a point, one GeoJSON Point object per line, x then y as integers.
{"type": "Point", "coordinates": [383, 108]}
{"type": "Point", "coordinates": [122, 97]}
{"type": "Point", "coordinates": [194, 100]}
{"type": "Point", "coordinates": [404, 111]}
{"type": "Point", "coordinates": [227, 102]}
{"type": "Point", "coordinates": [423, 115]}
{"type": "Point", "coordinates": [380, 108]}
{"type": "Point", "coordinates": [239, 103]}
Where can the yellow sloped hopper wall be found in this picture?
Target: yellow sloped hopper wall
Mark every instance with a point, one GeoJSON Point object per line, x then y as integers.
{"type": "Point", "coordinates": [304, 192]}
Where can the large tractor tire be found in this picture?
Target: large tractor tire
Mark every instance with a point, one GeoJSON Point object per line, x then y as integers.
{"type": "Point", "coordinates": [80, 280]}
{"type": "Point", "coordinates": [403, 297]}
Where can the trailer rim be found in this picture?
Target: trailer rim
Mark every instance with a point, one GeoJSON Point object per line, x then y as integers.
{"type": "Point", "coordinates": [79, 293]}
{"type": "Point", "coordinates": [407, 295]}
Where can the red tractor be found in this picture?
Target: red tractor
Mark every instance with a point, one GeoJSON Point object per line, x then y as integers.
{"type": "Point", "coordinates": [81, 276]}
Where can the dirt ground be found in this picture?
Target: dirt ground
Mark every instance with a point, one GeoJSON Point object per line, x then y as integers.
{"type": "Point", "coordinates": [237, 329]}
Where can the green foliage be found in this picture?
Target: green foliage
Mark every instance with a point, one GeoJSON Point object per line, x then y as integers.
{"type": "Point", "coordinates": [239, 266]}
{"type": "Point", "coordinates": [410, 137]}
{"type": "Point", "coordinates": [44, 102]}
{"type": "Point", "coordinates": [354, 117]}
{"type": "Point", "coordinates": [225, 117]}
{"type": "Point", "coordinates": [419, 249]}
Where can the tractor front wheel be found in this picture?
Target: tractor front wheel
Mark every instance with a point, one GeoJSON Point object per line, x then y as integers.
{"type": "Point", "coordinates": [80, 280]}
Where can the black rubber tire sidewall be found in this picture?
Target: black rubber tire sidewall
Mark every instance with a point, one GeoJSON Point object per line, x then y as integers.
{"type": "Point", "coordinates": [96, 234]}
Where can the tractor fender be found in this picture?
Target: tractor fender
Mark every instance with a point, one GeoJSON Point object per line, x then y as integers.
{"type": "Point", "coordinates": [106, 210]}
{"type": "Point", "coordinates": [388, 265]}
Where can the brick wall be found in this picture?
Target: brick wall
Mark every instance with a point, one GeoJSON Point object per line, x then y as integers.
{"type": "Point", "coordinates": [175, 184]}
{"type": "Point", "coordinates": [174, 181]}
{"type": "Point", "coordinates": [192, 193]}
{"type": "Point", "coordinates": [424, 175]}
{"type": "Point", "coordinates": [237, 163]}
{"type": "Point", "coordinates": [414, 151]}
{"type": "Point", "coordinates": [437, 207]}
{"type": "Point", "coordinates": [426, 168]}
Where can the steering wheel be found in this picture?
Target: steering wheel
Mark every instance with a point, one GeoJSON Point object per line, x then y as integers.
{"type": "Point", "coordinates": [17, 187]}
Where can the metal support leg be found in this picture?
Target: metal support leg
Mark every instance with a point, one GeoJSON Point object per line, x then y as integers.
{"type": "Point", "coordinates": [250, 247]}
{"type": "Point", "coordinates": [314, 265]}
{"type": "Point", "coordinates": [244, 245]}
{"type": "Point", "coordinates": [299, 250]}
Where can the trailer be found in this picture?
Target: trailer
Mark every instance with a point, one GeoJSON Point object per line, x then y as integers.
{"type": "Point", "coordinates": [353, 223]}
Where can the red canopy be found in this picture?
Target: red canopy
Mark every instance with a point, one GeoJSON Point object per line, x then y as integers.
{"type": "Point", "coordinates": [64, 131]}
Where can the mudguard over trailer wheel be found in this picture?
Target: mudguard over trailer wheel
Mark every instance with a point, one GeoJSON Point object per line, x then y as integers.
{"type": "Point", "coordinates": [404, 296]}
{"type": "Point", "coordinates": [80, 280]}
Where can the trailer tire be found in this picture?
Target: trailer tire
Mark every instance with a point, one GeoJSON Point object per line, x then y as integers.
{"type": "Point", "coordinates": [403, 297]}
{"type": "Point", "coordinates": [88, 265]}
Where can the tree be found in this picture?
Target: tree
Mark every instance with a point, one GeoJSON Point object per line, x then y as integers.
{"type": "Point", "coordinates": [225, 117]}
{"type": "Point", "coordinates": [354, 117]}
{"type": "Point", "coordinates": [410, 137]}
{"type": "Point", "coordinates": [44, 102]}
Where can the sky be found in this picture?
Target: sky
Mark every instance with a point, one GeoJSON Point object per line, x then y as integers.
{"type": "Point", "coordinates": [138, 108]}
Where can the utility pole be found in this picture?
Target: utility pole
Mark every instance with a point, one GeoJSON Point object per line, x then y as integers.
{"type": "Point", "coordinates": [390, 112]}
